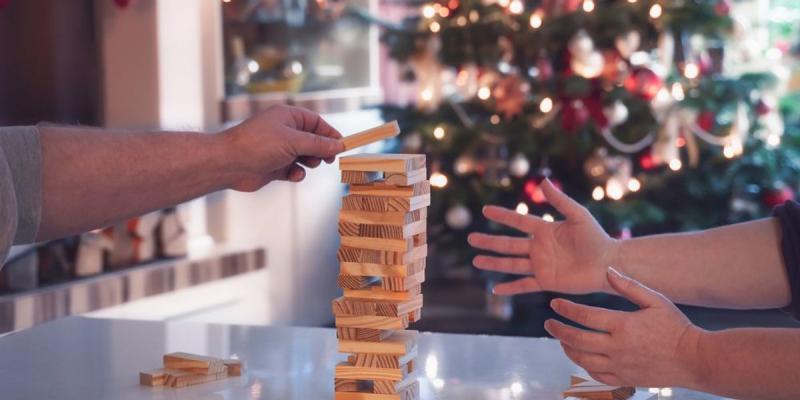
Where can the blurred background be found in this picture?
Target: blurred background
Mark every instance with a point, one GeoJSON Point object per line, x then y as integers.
{"type": "Point", "coordinates": [659, 116]}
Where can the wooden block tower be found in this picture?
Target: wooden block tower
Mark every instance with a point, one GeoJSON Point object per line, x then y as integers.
{"type": "Point", "coordinates": [383, 227]}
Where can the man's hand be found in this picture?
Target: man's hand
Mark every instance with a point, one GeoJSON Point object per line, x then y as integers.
{"type": "Point", "coordinates": [272, 146]}
{"type": "Point", "coordinates": [655, 346]}
{"type": "Point", "coordinates": [569, 256]}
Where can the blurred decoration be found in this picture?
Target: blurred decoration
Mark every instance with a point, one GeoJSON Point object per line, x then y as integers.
{"type": "Point", "coordinates": [656, 117]}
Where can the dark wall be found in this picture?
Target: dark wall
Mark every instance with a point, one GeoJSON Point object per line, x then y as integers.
{"type": "Point", "coordinates": [49, 62]}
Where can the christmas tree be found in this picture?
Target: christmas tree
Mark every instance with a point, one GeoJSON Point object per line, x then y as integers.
{"type": "Point", "coordinates": [639, 109]}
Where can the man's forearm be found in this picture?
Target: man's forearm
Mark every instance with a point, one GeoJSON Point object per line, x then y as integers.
{"type": "Point", "coordinates": [753, 363]}
{"type": "Point", "coordinates": [91, 178]}
{"type": "Point", "coordinates": [736, 266]}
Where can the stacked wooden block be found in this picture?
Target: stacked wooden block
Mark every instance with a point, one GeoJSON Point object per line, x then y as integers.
{"type": "Point", "coordinates": [383, 230]}
{"type": "Point", "coordinates": [582, 388]}
{"type": "Point", "coordinates": [184, 369]}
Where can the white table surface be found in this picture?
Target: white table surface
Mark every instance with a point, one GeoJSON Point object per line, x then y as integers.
{"type": "Point", "coordinates": [86, 359]}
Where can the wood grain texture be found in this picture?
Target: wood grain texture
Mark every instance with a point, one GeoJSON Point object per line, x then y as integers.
{"type": "Point", "coordinates": [356, 282]}
{"type": "Point", "coordinates": [372, 360]}
{"type": "Point", "coordinates": [235, 367]}
{"type": "Point", "coordinates": [382, 189]}
{"type": "Point", "coordinates": [397, 218]}
{"type": "Point", "coordinates": [178, 379]}
{"type": "Point", "coordinates": [156, 377]}
{"type": "Point", "coordinates": [376, 293]}
{"type": "Point", "coordinates": [352, 254]}
{"type": "Point", "coordinates": [193, 362]}
{"type": "Point", "coordinates": [415, 315]}
{"type": "Point", "coordinates": [345, 306]}
{"type": "Point", "coordinates": [409, 393]}
{"type": "Point", "coordinates": [372, 135]}
{"type": "Point", "coordinates": [349, 371]}
{"type": "Point", "coordinates": [372, 321]}
{"type": "Point", "coordinates": [399, 284]}
{"type": "Point", "coordinates": [397, 343]}
{"type": "Point", "coordinates": [393, 387]}
{"type": "Point", "coordinates": [349, 385]}
{"type": "Point", "coordinates": [385, 204]}
{"type": "Point", "coordinates": [361, 177]}
{"type": "Point", "coordinates": [388, 178]}
{"type": "Point", "coordinates": [362, 334]}
{"type": "Point", "coordinates": [382, 231]}
{"type": "Point", "coordinates": [371, 243]}
{"type": "Point", "coordinates": [382, 270]}
{"type": "Point", "coordinates": [598, 391]}
{"type": "Point", "coordinates": [403, 163]}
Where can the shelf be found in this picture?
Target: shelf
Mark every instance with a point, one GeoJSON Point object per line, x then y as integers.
{"type": "Point", "coordinates": [26, 309]}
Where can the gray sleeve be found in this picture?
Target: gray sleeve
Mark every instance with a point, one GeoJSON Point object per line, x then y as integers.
{"type": "Point", "coordinates": [23, 157]}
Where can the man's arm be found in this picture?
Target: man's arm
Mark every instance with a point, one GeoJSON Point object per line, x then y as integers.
{"type": "Point", "coordinates": [92, 177]}
{"type": "Point", "coordinates": [735, 266]}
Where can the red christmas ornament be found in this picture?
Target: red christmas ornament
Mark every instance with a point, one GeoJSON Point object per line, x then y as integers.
{"type": "Point", "coordinates": [722, 8]}
{"type": "Point", "coordinates": [533, 191]}
{"type": "Point", "coordinates": [643, 82]}
{"type": "Point", "coordinates": [763, 107]}
{"type": "Point", "coordinates": [776, 197]}
{"type": "Point", "coordinates": [122, 3]}
{"type": "Point", "coordinates": [706, 121]}
{"type": "Point", "coordinates": [647, 162]}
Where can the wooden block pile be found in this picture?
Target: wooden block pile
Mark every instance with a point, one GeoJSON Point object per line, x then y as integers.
{"type": "Point", "coordinates": [184, 369]}
{"type": "Point", "coordinates": [585, 388]}
{"type": "Point", "coordinates": [383, 231]}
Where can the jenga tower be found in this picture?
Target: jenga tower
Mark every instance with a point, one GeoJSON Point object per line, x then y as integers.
{"type": "Point", "coordinates": [383, 228]}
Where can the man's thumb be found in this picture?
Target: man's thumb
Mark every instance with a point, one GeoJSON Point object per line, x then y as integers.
{"type": "Point", "coordinates": [309, 144]}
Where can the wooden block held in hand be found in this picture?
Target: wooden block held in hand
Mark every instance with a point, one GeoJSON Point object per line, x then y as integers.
{"type": "Point", "coordinates": [399, 163]}
{"type": "Point", "coordinates": [397, 343]}
{"type": "Point", "coordinates": [193, 363]}
{"type": "Point", "coordinates": [372, 135]}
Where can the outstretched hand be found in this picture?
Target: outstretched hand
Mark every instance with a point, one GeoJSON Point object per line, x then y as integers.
{"type": "Point", "coordinates": [274, 144]}
{"type": "Point", "coordinates": [569, 256]}
{"type": "Point", "coordinates": [653, 347]}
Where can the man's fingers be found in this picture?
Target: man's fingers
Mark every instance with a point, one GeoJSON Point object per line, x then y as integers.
{"type": "Point", "coordinates": [522, 285]}
{"type": "Point", "coordinates": [296, 173]}
{"type": "Point", "coordinates": [500, 244]}
{"type": "Point", "coordinates": [310, 162]}
{"type": "Point", "coordinates": [591, 317]}
{"type": "Point", "coordinates": [563, 203]}
{"type": "Point", "coordinates": [309, 121]}
{"type": "Point", "coordinates": [607, 378]}
{"type": "Point", "coordinates": [501, 215]}
{"type": "Point", "coordinates": [632, 290]}
{"type": "Point", "coordinates": [587, 360]}
{"type": "Point", "coordinates": [309, 144]}
{"type": "Point", "coordinates": [595, 342]}
{"type": "Point", "coordinates": [511, 265]}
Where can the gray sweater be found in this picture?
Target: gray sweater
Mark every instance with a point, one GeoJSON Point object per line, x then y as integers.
{"type": "Point", "coordinates": [20, 186]}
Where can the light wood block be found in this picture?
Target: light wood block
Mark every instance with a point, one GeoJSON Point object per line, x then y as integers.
{"type": "Point", "coordinates": [577, 379]}
{"type": "Point", "coordinates": [372, 321]}
{"type": "Point", "coordinates": [361, 177]}
{"type": "Point", "coordinates": [235, 367]}
{"type": "Point", "coordinates": [382, 231]}
{"type": "Point", "coordinates": [177, 378]}
{"type": "Point", "coordinates": [402, 163]}
{"type": "Point", "coordinates": [356, 282]}
{"type": "Point", "coordinates": [352, 254]}
{"type": "Point", "coordinates": [399, 284]}
{"type": "Point", "coordinates": [362, 334]}
{"type": "Point", "coordinates": [376, 293]}
{"type": "Point", "coordinates": [397, 343]}
{"type": "Point", "coordinates": [344, 306]}
{"type": "Point", "coordinates": [393, 387]}
{"type": "Point", "coordinates": [371, 360]}
{"type": "Point", "coordinates": [372, 135]}
{"type": "Point", "coordinates": [382, 189]}
{"type": "Point", "coordinates": [395, 218]}
{"type": "Point", "coordinates": [384, 204]}
{"type": "Point", "coordinates": [415, 315]}
{"type": "Point", "coordinates": [349, 371]}
{"type": "Point", "coordinates": [409, 393]}
{"type": "Point", "coordinates": [598, 391]}
{"type": "Point", "coordinates": [156, 377]}
{"type": "Point", "coordinates": [193, 363]}
{"type": "Point", "coordinates": [398, 245]}
{"type": "Point", "coordinates": [388, 178]}
{"type": "Point", "coordinates": [382, 270]}
{"type": "Point", "coordinates": [348, 385]}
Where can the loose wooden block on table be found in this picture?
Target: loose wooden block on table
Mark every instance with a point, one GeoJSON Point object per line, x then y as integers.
{"type": "Point", "coordinates": [156, 377]}
{"type": "Point", "coordinates": [345, 306]}
{"type": "Point", "coordinates": [382, 231]}
{"type": "Point", "coordinates": [394, 218]}
{"type": "Point", "coordinates": [396, 343]}
{"type": "Point", "coordinates": [382, 189]}
{"type": "Point", "coordinates": [353, 254]}
{"type": "Point", "coordinates": [385, 131]}
{"type": "Point", "coordinates": [398, 163]}
{"type": "Point", "coordinates": [193, 363]}
{"type": "Point", "coordinates": [381, 270]}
